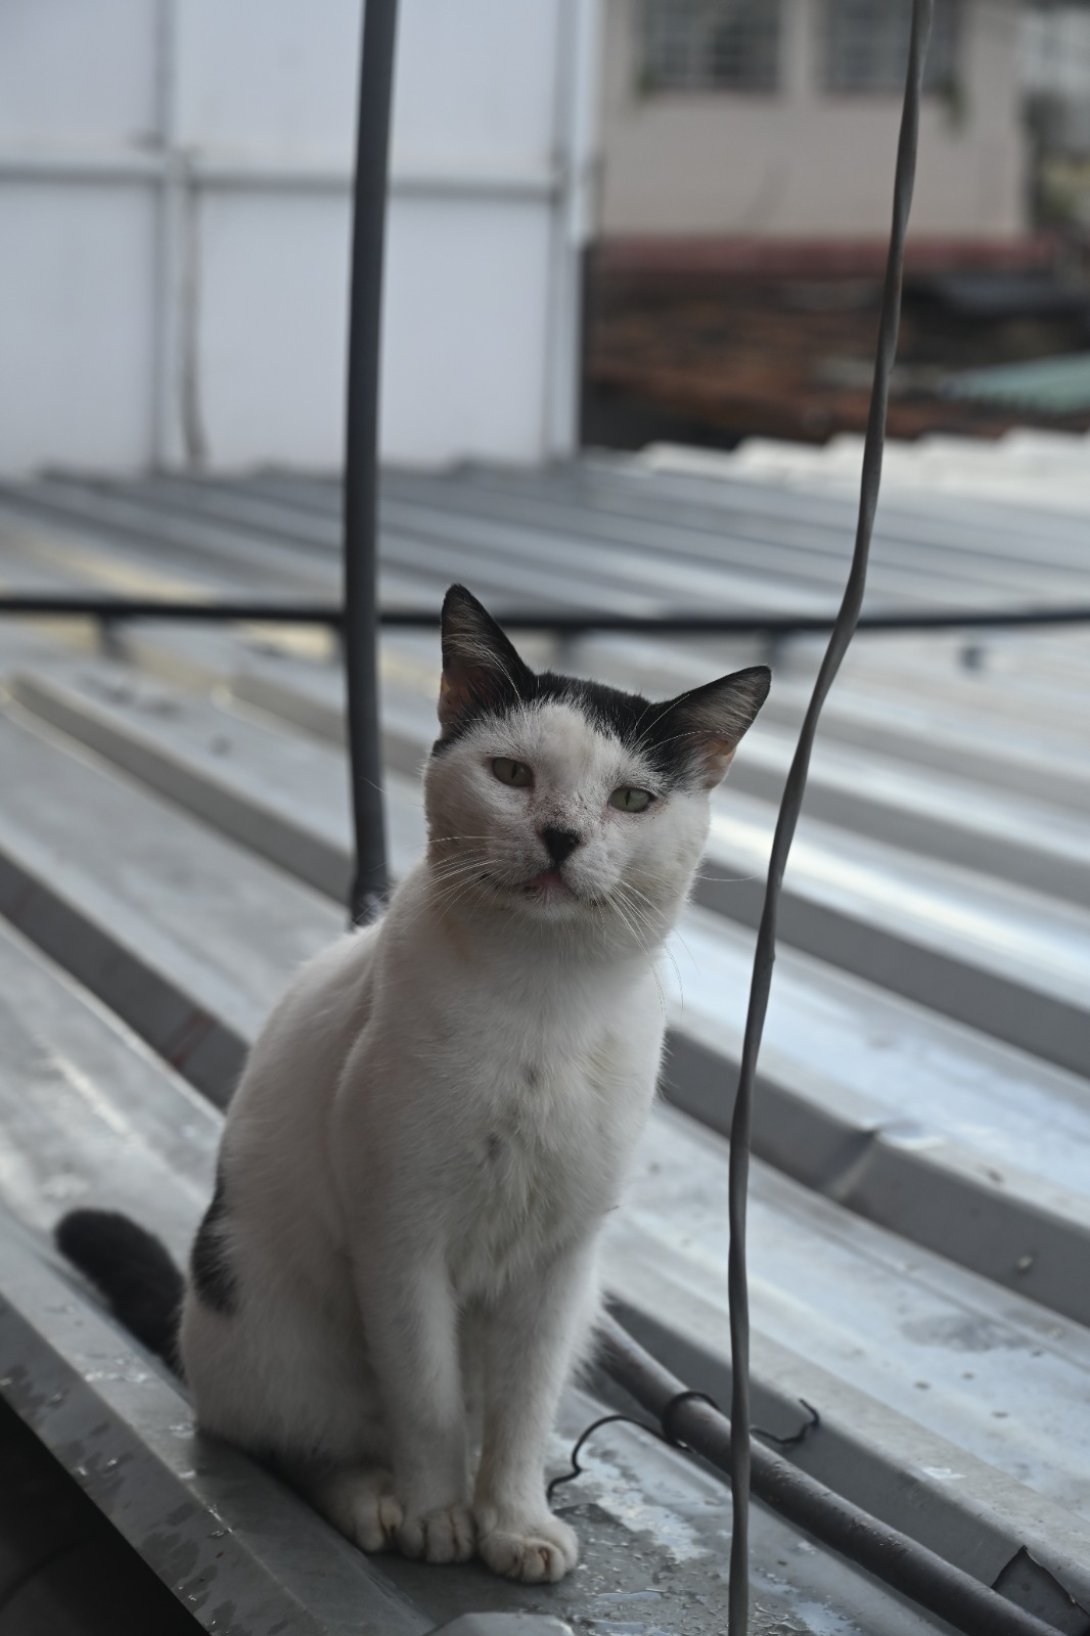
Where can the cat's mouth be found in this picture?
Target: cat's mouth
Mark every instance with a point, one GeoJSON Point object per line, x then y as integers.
{"type": "Point", "coordinates": [546, 884]}
{"type": "Point", "coordinates": [547, 888]}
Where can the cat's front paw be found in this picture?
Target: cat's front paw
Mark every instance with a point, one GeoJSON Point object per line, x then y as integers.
{"type": "Point", "coordinates": [444, 1535]}
{"type": "Point", "coordinates": [361, 1503]}
{"type": "Point", "coordinates": [537, 1549]}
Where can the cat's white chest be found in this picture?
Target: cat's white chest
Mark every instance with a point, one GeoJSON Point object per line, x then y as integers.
{"type": "Point", "coordinates": [544, 1168]}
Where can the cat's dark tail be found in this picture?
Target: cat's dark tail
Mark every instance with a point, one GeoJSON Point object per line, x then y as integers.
{"type": "Point", "coordinates": [133, 1270]}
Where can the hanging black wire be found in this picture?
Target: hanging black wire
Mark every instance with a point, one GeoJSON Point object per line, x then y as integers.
{"type": "Point", "coordinates": [764, 958]}
{"type": "Point", "coordinates": [370, 883]}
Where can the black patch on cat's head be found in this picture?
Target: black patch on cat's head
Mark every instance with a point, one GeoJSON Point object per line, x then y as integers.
{"type": "Point", "coordinates": [690, 737]}
{"type": "Point", "coordinates": [209, 1263]}
{"type": "Point", "coordinates": [693, 737]}
{"type": "Point", "coordinates": [483, 675]}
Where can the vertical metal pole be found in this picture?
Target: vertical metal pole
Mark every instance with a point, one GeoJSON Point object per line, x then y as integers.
{"type": "Point", "coordinates": [790, 806]}
{"type": "Point", "coordinates": [369, 885]}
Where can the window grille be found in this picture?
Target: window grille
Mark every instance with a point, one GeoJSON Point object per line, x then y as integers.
{"type": "Point", "coordinates": [711, 45]}
{"type": "Point", "coordinates": [866, 41]}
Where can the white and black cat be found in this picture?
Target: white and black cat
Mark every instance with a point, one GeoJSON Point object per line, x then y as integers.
{"type": "Point", "coordinates": [400, 1259]}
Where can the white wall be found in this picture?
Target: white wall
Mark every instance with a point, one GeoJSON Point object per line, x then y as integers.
{"type": "Point", "coordinates": [803, 163]}
{"type": "Point", "coordinates": [174, 216]}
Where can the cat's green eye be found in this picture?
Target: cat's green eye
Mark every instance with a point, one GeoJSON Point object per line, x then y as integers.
{"type": "Point", "coordinates": [627, 799]}
{"type": "Point", "coordinates": [512, 772]}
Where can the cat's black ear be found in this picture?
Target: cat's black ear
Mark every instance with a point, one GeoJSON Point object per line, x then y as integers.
{"type": "Point", "coordinates": [698, 732]}
{"type": "Point", "coordinates": [481, 670]}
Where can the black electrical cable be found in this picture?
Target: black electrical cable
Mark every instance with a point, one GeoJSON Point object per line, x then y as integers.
{"type": "Point", "coordinates": [764, 958]}
{"type": "Point", "coordinates": [370, 882]}
{"type": "Point", "coordinates": [112, 609]}
{"type": "Point", "coordinates": [893, 1557]}
{"type": "Point", "coordinates": [665, 1433]}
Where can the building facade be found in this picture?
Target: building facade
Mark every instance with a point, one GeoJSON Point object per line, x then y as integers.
{"type": "Point", "coordinates": [778, 119]}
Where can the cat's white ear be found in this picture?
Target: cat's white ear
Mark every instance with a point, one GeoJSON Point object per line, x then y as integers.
{"type": "Point", "coordinates": [482, 672]}
{"type": "Point", "coordinates": [701, 730]}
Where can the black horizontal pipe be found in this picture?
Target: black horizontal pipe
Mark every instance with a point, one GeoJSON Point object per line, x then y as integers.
{"type": "Point", "coordinates": [30, 605]}
{"type": "Point", "coordinates": [893, 1557]}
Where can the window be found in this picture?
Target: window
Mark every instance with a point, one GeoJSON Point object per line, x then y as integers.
{"type": "Point", "coordinates": [866, 42]}
{"type": "Point", "coordinates": [711, 45]}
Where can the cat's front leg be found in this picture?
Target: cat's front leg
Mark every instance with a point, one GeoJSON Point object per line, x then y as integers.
{"type": "Point", "coordinates": [530, 1339]}
{"type": "Point", "coordinates": [410, 1321]}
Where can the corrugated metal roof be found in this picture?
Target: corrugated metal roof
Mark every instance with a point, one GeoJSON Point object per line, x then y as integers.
{"type": "Point", "coordinates": [921, 1194]}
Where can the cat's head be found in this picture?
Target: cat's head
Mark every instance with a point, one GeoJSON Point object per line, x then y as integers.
{"type": "Point", "coordinates": [565, 801]}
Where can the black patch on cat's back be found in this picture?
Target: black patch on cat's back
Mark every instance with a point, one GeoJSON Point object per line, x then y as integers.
{"type": "Point", "coordinates": [209, 1263]}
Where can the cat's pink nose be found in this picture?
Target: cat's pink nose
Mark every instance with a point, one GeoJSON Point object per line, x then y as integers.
{"type": "Point", "coordinates": [559, 843]}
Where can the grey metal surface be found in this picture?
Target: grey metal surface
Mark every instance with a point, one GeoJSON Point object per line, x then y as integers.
{"type": "Point", "coordinates": [186, 935]}
{"type": "Point", "coordinates": [64, 1571]}
{"type": "Point", "coordinates": [921, 1369]}
{"type": "Point", "coordinates": [792, 539]}
{"type": "Point", "coordinates": [922, 1192]}
{"type": "Point", "coordinates": [1007, 755]}
{"type": "Point", "coordinates": [232, 1546]}
{"type": "Point", "coordinates": [649, 1266]}
{"type": "Point", "coordinates": [1013, 1189]}
{"type": "Point", "coordinates": [607, 536]}
{"type": "Point", "coordinates": [985, 952]}
{"type": "Point", "coordinates": [215, 1527]}
{"type": "Point", "coordinates": [1021, 839]}
{"type": "Point", "coordinates": [846, 891]}
{"type": "Point", "coordinates": [922, 522]}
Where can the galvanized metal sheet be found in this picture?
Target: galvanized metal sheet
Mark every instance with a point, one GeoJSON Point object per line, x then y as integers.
{"type": "Point", "coordinates": [233, 1544]}
{"type": "Point", "coordinates": [633, 1278]}
{"type": "Point", "coordinates": [1004, 1157]}
{"type": "Point", "coordinates": [950, 1401]}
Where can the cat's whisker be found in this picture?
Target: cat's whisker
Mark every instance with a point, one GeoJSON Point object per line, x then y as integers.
{"type": "Point", "coordinates": [458, 878]}
{"type": "Point", "coordinates": [437, 840]}
{"type": "Point", "coordinates": [676, 936]}
{"type": "Point", "coordinates": [455, 867]}
{"type": "Point", "coordinates": [624, 916]}
{"type": "Point", "coordinates": [726, 880]}
{"type": "Point", "coordinates": [632, 918]}
{"type": "Point", "coordinates": [655, 976]}
{"type": "Point", "coordinates": [654, 931]}
{"type": "Point", "coordinates": [457, 892]}
{"type": "Point", "coordinates": [450, 889]}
